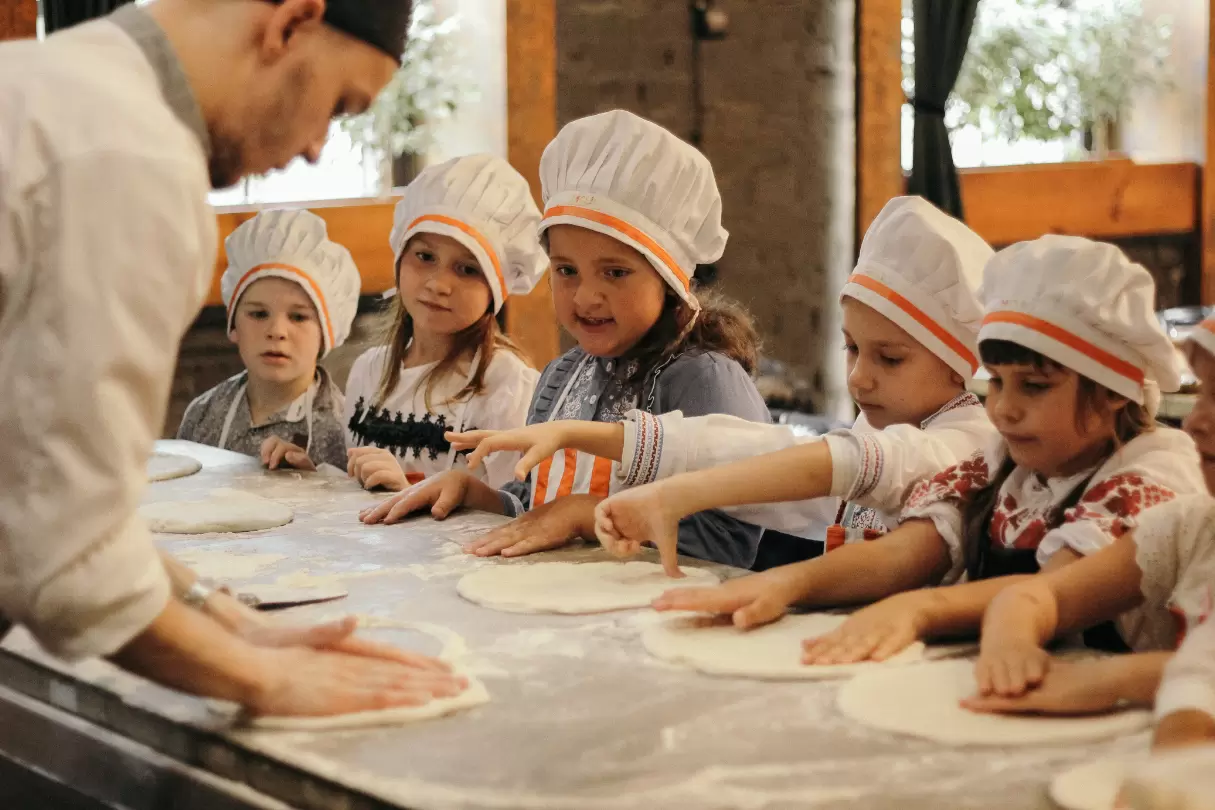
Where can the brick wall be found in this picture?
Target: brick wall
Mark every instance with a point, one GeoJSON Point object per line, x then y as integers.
{"type": "Point", "coordinates": [778, 95]}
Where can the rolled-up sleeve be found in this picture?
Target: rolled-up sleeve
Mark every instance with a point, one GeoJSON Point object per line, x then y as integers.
{"type": "Point", "coordinates": [1189, 678]}
{"type": "Point", "coordinates": [115, 255]}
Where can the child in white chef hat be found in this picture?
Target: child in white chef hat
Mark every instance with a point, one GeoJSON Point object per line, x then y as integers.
{"type": "Point", "coordinates": [291, 296]}
{"type": "Point", "coordinates": [464, 238]}
{"type": "Point", "coordinates": [1077, 359]}
{"type": "Point", "coordinates": [911, 321]}
{"type": "Point", "coordinates": [1156, 580]}
{"type": "Point", "coordinates": [630, 212]}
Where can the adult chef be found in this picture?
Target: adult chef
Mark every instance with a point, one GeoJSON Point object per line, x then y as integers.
{"type": "Point", "coordinates": [111, 135]}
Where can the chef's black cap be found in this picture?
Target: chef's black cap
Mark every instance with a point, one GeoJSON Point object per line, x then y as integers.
{"type": "Point", "coordinates": [382, 24]}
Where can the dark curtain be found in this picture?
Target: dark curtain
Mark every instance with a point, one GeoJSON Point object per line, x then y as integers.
{"type": "Point", "coordinates": [942, 29]}
{"type": "Point", "coordinates": [60, 14]}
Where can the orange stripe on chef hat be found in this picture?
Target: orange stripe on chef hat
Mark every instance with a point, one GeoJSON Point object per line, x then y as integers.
{"type": "Point", "coordinates": [476, 235]}
{"type": "Point", "coordinates": [1072, 341]}
{"type": "Point", "coordinates": [628, 230]}
{"type": "Point", "coordinates": [311, 286]}
{"type": "Point", "coordinates": [919, 316]}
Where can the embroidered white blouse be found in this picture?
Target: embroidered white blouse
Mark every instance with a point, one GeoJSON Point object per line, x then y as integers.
{"type": "Point", "coordinates": [872, 470]}
{"type": "Point", "coordinates": [1152, 468]}
{"type": "Point", "coordinates": [403, 424]}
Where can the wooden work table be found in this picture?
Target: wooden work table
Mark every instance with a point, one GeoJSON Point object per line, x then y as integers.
{"type": "Point", "coordinates": [580, 716]}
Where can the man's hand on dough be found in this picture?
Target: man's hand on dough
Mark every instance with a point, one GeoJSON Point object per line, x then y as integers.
{"type": "Point", "coordinates": [301, 681]}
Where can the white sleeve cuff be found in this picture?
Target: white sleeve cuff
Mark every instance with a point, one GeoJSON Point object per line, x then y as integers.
{"type": "Point", "coordinates": [1188, 692]}
{"type": "Point", "coordinates": [647, 454]}
{"type": "Point", "coordinates": [1084, 537]}
{"type": "Point", "coordinates": [857, 461]}
{"type": "Point", "coordinates": [103, 600]}
{"type": "Point", "coordinates": [947, 519]}
{"type": "Point", "coordinates": [845, 462]}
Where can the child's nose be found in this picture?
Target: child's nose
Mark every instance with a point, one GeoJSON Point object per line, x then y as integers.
{"type": "Point", "coordinates": [860, 378]}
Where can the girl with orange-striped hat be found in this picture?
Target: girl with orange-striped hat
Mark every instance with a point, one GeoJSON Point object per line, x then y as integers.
{"type": "Point", "coordinates": [910, 321]}
{"type": "Point", "coordinates": [1156, 581]}
{"type": "Point", "coordinates": [464, 238]}
{"type": "Point", "coordinates": [631, 211]}
{"type": "Point", "coordinates": [1077, 361]}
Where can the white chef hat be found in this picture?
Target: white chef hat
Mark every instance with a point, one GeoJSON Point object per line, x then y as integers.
{"type": "Point", "coordinates": [294, 245]}
{"type": "Point", "coordinates": [630, 179]}
{"type": "Point", "coordinates": [1203, 335]}
{"type": "Point", "coordinates": [921, 268]}
{"type": "Point", "coordinates": [485, 205]}
{"type": "Point", "coordinates": [1085, 305]}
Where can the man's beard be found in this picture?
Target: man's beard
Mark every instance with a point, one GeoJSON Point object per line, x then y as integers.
{"type": "Point", "coordinates": [225, 163]}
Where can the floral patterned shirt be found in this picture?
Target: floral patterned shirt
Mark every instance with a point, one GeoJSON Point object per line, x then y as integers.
{"type": "Point", "coordinates": [1150, 469]}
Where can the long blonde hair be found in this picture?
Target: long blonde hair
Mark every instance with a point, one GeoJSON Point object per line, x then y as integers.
{"type": "Point", "coordinates": [484, 335]}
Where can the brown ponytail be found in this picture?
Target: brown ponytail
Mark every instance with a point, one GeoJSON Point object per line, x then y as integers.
{"type": "Point", "coordinates": [722, 326]}
{"type": "Point", "coordinates": [484, 335]}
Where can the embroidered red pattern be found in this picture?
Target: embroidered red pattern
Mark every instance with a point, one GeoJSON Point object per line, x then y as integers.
{"type": "Point", "coordinates": [963, 400]}
{"type": "Point", "coordinates": [1106, 505]}
{"type": "Point", "coordinates": [952, 484]}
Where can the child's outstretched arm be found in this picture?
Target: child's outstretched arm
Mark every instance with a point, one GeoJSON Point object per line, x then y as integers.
{"type": "Point", "coordinates": [1185, 704]}
{"type": "Point", "coordinates": [881, 630]}
{"type": "Point", "coordinates": [1022, 619]}
{"type": "Point", "coordinates": [651, 513]}
{"type": "Point", "coordinates": [540, 441]}
{"type": "Point", "coordinates": [1084, 686]}
{"type": "Point", "coordinates": [910, 557]}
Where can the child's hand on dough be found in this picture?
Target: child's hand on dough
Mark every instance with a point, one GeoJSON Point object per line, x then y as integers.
{"type": "Point", "coordinates": [628, 519]}
{"type": "Point", "coordinates": [873, 633]}
{"type": "Point", "coordinates": [751, 600]}
{"type": "Point", "coordinates": [277, 452]}
{"type": "Point", "coordinates": [376, 467]}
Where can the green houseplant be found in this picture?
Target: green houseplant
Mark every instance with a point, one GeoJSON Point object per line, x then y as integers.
{"type": "Point", "coordinates": [1046, 69]}
{"type": "Point", "coordinates": [398, 128]}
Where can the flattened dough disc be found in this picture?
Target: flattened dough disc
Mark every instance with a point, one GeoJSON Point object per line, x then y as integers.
{"type": "Point", "coordinates": [166, 466]}
{"type": "Point", "coordinates": [1091, 786]}
{"type": "Point", "coordinates": [229, 511]}
{"type": "Point", "coordinates": [713, 645]}
{"type": "Point", "coordinates": [453, 650]}
{"type": "Point", "coordinates": [923, 700]}
{"type": "Point", "coordinates": [568, 587]}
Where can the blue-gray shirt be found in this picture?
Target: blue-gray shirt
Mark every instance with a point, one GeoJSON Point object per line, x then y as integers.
{"type": "Point", "coordinates": [695, 382]}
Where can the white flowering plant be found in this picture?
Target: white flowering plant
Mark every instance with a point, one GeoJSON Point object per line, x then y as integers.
{"type": "Point", "coordinates": [428, 87]}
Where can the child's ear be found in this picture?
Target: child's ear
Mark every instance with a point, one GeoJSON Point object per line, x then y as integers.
{"type": "Point", "coordinates": [232, 336]}
{"type": "Point", "coordinates": [1117, 401]}
{"type": "Point", "coordinates": [957, 379]}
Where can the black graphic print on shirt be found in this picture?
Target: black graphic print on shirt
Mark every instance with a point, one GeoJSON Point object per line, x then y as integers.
{"type": "Point", "coordinates": [401, 435]}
